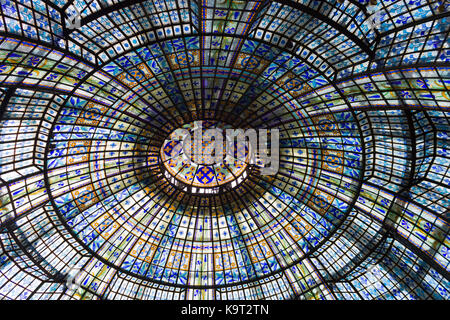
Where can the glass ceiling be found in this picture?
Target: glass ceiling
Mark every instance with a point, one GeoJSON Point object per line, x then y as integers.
{"type": "Point", "coordinates": [91, 90]}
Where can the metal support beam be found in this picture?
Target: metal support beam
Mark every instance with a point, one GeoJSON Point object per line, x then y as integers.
{"type": "Point", "coordinates": [343, 30]}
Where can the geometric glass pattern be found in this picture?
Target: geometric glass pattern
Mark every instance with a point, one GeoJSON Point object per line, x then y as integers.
{"type": "Point", "coordinates": [179, 159]}
{"type": "Point", "coordinates": [94, 189]}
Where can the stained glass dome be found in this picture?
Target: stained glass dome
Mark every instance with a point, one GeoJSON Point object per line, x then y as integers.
{"type": "Point", "coordinates": [95, 191]}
